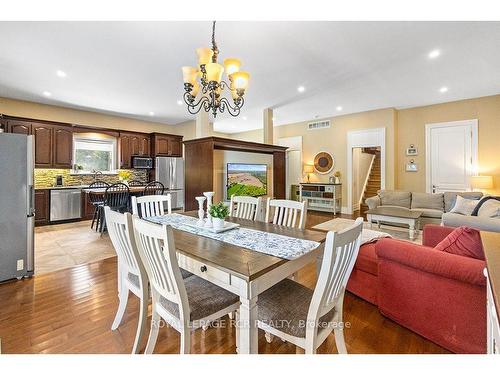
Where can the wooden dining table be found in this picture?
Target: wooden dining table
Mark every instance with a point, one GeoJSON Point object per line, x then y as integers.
{"type": "Point", "coordinates": [242, 271]}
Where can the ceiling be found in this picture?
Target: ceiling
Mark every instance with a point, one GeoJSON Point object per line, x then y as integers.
{"type": "Point", "coordinates": [133, 68]}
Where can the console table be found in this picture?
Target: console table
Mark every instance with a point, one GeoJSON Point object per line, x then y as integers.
{"type": "Point", "coordinates": [325, 197]}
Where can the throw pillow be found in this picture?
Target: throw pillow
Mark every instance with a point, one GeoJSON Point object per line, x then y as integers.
{"type": "Point", "coordinates": [463, 241]}
{"type": "Point", "coordinates": [490, 208]}
{"type": "Point", "coordinates": [464, 206]}
{"type": "Point", "coordinates": [483, 201]}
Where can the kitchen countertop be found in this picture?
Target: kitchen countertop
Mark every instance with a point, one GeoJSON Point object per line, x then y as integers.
{"type": "Point", "coordinates": [62, 187]}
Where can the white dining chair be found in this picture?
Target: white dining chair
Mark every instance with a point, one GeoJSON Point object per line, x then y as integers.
{"type": "Point", "coordinates": [243, 207]}
{"type": "Point", "coordinates": [184, 304]}
{"type": "Point", "coordinates": [285, 212]}
{"type": "Point", "coordinates": [311, 316]}
{"type": "Point", "coordinates": [151, 205]}
{"type": "Point", "coordinates": [131, 273]}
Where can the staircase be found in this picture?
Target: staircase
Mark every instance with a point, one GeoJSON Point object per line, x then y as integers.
{"type": "Point", "coordinates": [374, 180]}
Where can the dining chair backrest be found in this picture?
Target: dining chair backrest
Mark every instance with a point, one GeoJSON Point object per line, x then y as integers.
{"type": "Point", "coordinates": [157, 251]}
{"type": "Point", "coordinates": [154, 188]}
{"type": "Point", "coordinates": [339, 256]}
{"type": "Point", "coordinates": [95, 197]}
{"type": "Point", "coordinates": [243, 207]}
{"type": "Point", "coordinates": [151, 205]}
{"type": "Point", "coordinates": [135, 183]}
{"type": "Point", "coordinates": [288, 213]}
{"type": "Point", "coordinates": [121, 233]}
{"type": "Point", "coordinates": [117, 196]}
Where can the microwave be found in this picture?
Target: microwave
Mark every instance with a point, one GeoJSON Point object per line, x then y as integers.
{"type": "Point", "coordinates": [142, 162]}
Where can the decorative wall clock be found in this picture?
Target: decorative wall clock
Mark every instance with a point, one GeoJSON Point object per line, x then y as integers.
{"type": "Point", "coordinates": [323, 162]}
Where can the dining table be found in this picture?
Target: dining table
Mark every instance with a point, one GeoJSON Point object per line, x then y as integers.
{"type": "Point", "coordinates": [244, 271]}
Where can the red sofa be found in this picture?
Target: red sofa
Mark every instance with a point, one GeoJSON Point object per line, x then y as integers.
{"type": "Point", "coordinates": [438, 295]}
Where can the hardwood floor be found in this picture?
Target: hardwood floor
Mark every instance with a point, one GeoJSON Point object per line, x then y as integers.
{"type": "Point", "coordinates": [71, 311]}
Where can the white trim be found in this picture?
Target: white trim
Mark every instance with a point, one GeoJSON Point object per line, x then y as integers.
{"type": "Point", "coordinates": [364, 138]}
{"type": "Point", "coordinates": [366, 181]}
{"type": "Point", "coordinates": [474, 146]}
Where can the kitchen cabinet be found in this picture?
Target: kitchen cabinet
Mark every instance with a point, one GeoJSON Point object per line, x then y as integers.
{"type": "Point", "coordinates": [41, 207]}
{"type": "Point", "coordinates": [87, 207]}
{"type": "Point", "coordinates": [18, 127]}
{"type": "Point", "coordinates": [63, 147]}
{"type": "Point", "coordinates": [53, 143]}
{"type": "Point", "coordinates": [132, 144]}
{"type": "Point", "coordinates": [166, 145]}
{"type": "Point", "coordinates": [43, 145]}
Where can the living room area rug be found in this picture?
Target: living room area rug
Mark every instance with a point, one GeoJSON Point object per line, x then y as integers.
{"type": "Point", "coordinates": [399, 233]}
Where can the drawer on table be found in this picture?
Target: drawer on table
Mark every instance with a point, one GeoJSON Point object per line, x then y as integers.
{"type": "Point", "coordinates": [201, 269]}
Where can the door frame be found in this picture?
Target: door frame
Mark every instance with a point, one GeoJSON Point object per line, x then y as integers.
{"type": "Point", "coordinates": [364, 138]}
{"type": "Point", "coordinates": [474, 146]}
{"type": "Point", "coordinates": [293, 144]}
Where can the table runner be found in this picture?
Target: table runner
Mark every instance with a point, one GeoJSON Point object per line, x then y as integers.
{"type": "Point", "coordinates": [273, 244]}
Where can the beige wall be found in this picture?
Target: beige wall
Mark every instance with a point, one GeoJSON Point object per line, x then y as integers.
{"type": "Point", "coordinates": [411, 130]}
{"type": "Point", "coordinates": [53, 113]}
{"type": "Point", "coordinates": [334, 140]}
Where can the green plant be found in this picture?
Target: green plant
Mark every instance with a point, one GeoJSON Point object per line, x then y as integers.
{"type": "Point", "coordinates": [219, 210]}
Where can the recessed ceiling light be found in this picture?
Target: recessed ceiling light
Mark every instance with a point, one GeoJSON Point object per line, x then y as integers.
{"type": "Point", "coordinates": [301, 89]}
{"type": "Point", "coordinates": [47, 93]}
{"type": "Point", "coordinates": [61, 74]}
{"type": "Point", "coordinates": [443, 89]}
{"type": "Point", "coordinates": [151, 113]}
{"type": "Point", "coordinates": [339, 108]}
{"type": "Point", "coordinates": [179, 102]}
{"type": "Point", "coordinates": [245, 118]}
{"type": "Point", "coordinates": [434, 53]}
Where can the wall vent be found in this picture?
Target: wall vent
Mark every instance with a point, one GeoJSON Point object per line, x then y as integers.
{"type": "Point", "coordinates": [318, 125]}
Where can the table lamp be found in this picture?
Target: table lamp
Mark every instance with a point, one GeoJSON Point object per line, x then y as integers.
{"type": "Point", "coordinates": [308, 169]}
{"type": "Point", "coordinates": [481, 183]}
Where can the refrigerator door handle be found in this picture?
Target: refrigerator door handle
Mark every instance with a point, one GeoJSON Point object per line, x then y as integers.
{"type": "Point", "coordinates": [31, 201]}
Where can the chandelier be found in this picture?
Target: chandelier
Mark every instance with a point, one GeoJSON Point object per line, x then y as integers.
{"type": "Point", "coordinates": [212, 86]}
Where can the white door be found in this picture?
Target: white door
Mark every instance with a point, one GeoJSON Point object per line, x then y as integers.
{"type": "Point", "coordinates": [293, 161]}
{"type": "Point", "coordinates": [451, 155]}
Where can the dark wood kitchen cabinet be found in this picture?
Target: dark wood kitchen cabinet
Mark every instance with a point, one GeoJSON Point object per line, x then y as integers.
{"type": "Point", "coordinates": [87, 207]}
{"type": "Point", "coordinates": [42, 215]}
{"type": "Point", "coordinates": [18, 127]}
{"type": "Point", "coordinates": [132, 144]}
{"type": "Point", "coordinates": [63, 147]}
{"type": "Point", "coordinates": [43, 145]}
{"type": "Point", "coordinates": [166, 145]}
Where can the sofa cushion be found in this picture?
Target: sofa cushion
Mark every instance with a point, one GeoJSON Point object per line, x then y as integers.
{"type": "Point", "coordinates": [395, 198]}
{"type": "Point", "coordinates": [367, 259]}
{"type": "Point", "coordinates": [463, 241]}
{"type": "Point", "coordinates": [450, 197]}
{"type": "Point", "coordinates": [429, 213]}
{"type": "Point", "coordinates": [464, 206]}
{"type": "Point", "coordinates": [480, 223]}
{"type": "Point", "coordinates": [491, 208]}
{"type": "Point", "coordinates": [491, 203]}
{"type": "Point", "coordinates": [426, 200]}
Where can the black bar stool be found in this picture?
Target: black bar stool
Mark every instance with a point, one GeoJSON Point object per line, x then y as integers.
{"type": "Point", "coordinates": [97, 200]}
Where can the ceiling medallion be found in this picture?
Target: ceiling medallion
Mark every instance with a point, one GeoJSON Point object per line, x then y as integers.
{"type": "Point", "coordinates": [212, 85]}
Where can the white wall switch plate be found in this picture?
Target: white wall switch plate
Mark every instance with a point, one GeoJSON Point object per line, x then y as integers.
{"type": "Point", "coordinates": [20, 264]}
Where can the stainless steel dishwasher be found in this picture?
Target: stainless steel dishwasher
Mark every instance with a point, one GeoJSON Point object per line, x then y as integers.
{"type": "Point", "coordinates": [65, 204]}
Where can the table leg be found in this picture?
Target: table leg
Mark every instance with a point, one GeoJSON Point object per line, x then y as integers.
{"type": "Point", "coordinates": [247, 326]}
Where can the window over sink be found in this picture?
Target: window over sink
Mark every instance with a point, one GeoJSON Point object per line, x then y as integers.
{"type": "Point", "coordinates": [94, 152]}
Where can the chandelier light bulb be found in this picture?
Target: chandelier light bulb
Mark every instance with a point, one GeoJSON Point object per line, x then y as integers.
{"type": "Point", "coordinates": [240, 80]}
{"type": "Point", "coordinates": [204, 55]}
{"type": "Point", "coordinates": [189, 74]}
{"type": "Point", "coordinates": [214, 72]}
{"type": "Point", "coordinates": [232, 65]}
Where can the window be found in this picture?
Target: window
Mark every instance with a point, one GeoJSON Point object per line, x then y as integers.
{"type": "Point", "coordinates": [94, 152]}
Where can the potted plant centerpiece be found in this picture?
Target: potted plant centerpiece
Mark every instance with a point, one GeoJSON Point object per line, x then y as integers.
{"type": "Point", "coordinates": [218, 212]}
{"type": "Point", "coordinates": [124, 176]}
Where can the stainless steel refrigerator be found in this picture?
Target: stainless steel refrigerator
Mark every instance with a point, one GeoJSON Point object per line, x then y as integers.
{"type": "Point", "coordinates": [17, 213]}
{"type": "Point", "coordinates": [170, 172]}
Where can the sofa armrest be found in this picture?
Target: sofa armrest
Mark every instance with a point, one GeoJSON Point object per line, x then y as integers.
{"type": "Point", "coordinates": [424, 258]}
{"type": "Point", "coordinates": [434, 234]}
{"type": "Point", "coordinates": [373, 202]}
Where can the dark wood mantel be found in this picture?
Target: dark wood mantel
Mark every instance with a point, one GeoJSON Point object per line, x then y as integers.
{"type": "Point", "coordinates": [199, 164]}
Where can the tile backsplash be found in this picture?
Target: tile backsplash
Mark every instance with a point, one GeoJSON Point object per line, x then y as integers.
{"type": "Point", "coordinates": [45, 178]}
